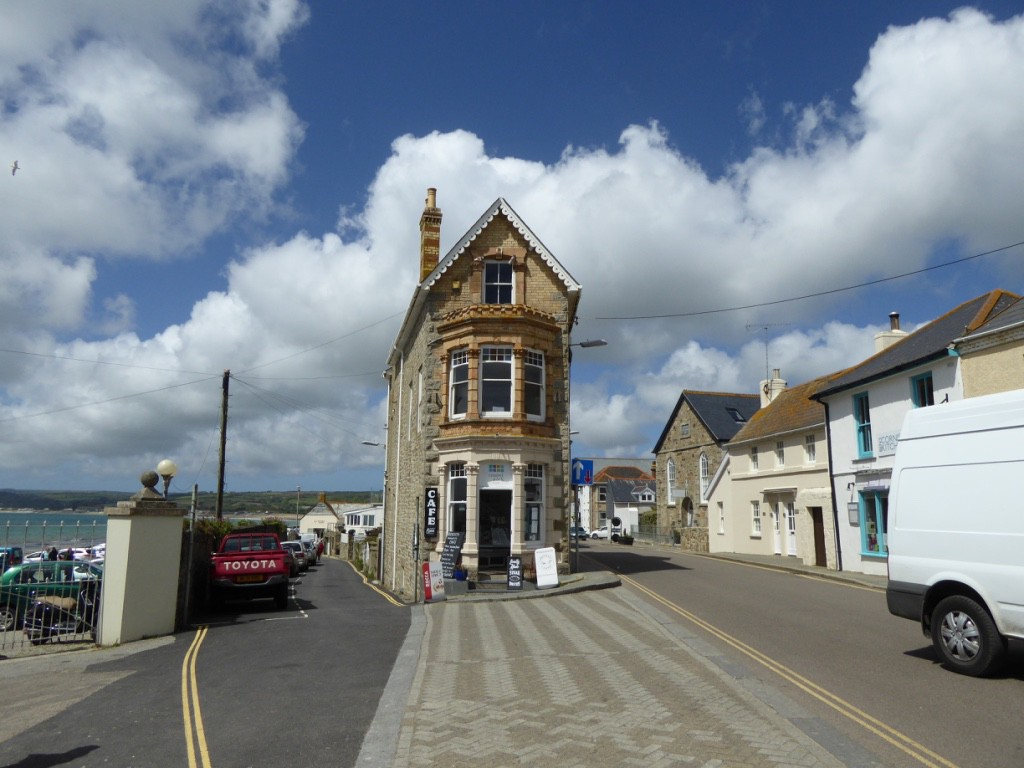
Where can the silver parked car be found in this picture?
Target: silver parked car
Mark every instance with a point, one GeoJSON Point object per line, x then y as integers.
{"type": "Point", "coordinates": [298, 553]}
{"type": "Point", "coordinates": [310, 548]}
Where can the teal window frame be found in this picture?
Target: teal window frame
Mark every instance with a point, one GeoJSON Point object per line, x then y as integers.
{"type": "Point", "coordinates": [862, 420]}
{"type": "Point", "coordinates": [874, 523]}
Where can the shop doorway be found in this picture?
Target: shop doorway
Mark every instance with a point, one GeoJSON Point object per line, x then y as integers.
{"type": "Point", "coordinates": [495, 528]}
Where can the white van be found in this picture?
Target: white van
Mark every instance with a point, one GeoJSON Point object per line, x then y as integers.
{"type": "Point", "coordinates": [956, 528]}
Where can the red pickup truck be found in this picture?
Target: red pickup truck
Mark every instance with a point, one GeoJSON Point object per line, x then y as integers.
{"type": "Point", "coordinates": [248, 566]}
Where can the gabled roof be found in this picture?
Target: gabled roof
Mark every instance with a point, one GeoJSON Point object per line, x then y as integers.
{"type": "Point", "coordinates": [499, 207]}
{"type": "Point", "coordinates": [322, 507]}
{"type": "Point", "coordinates": [716, 411]}
{"type": "Point", "coordinates": [930, 342]}
{"type": "Point", "coordinates": [626, 491]}
{"type": "Point", "coordinates": [619, 472]}
{"type": "Point", "coordinates": [791, 410]}
{"type": "Point", "coordinates": [1010, 318]}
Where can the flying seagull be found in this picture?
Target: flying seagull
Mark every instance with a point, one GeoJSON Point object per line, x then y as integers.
{"type": "Point", "coordinates": [14, 168]}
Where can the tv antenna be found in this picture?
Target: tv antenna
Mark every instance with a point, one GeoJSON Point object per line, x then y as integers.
{"type": "Point", "coordinates": [764, 328]}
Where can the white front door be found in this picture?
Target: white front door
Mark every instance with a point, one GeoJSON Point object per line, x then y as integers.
{"type": "Point", "coordinates": [777, 528]}
{"type": "Point", "coordinates": [790, 528]}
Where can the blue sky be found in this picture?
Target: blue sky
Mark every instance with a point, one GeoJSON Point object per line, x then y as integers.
{"type": "Point", "coordinates": [238, 186]}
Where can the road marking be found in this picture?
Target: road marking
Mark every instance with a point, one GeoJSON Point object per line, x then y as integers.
{"type": "Point", "coordinates": [375, 588]}
{"type": "Point", "coordinates": [897, 739]}
{"type": "Point", "coordinates": [195, 734]}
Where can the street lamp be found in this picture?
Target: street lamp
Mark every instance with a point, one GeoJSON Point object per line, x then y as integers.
{"type": "Point", "coordinates": [298, 488]}
{"type": "Point", "coordinates": [575, 520]}
{"type": "Point", "coordinates": [166, 469]}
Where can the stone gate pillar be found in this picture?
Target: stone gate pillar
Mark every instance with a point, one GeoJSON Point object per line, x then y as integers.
{"type": "Point", "coordinates": [140, 571]}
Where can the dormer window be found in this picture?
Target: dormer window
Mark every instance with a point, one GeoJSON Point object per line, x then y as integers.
{"type": "Point", "coordinates": [736, 415]}
{"type": "Point", "coordinates": [498, 283]}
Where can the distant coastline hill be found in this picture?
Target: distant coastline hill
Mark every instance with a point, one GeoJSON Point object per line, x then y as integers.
{"type": "Point", "coordinates": [279, 503]}
{"type": "Point", "coordinates": [77, 501]}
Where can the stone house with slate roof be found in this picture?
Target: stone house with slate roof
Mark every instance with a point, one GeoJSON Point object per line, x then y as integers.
{"type": "Point", "coordinates": [687, 455]}
{"type": "Point", "coordinates": [772, 494]}
{"type": "Point", "coordinates": [864, 408]}
{"type": "Point", "coordinates": [591, 498]}
{"type": "Point", "coordinates": [478, 402]}
{"type": "Point", "coordinates": [992, 355]}
{"type": "Point", "coordinates": [623, 492]}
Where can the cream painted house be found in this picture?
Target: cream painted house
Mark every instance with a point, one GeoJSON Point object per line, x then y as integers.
{"type": "Point", "coordinates": [772, 494]}
{"type": "Point", "coordinates": [992, 356]}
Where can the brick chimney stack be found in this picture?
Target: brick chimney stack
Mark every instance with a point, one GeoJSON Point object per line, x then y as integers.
{"type": "Point", "coordinates": [430, 235]}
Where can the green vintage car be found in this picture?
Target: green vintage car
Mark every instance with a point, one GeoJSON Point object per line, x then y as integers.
{"type": "Point", "coordinates": [22, 584]}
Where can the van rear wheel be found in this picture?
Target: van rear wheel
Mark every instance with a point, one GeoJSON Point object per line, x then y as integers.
{"type": "Point", "coordinates": [966, 638]}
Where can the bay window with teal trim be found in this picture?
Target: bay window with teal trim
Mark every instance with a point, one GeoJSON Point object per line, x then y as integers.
{"type": "Point", "coordinates": [922, 392]}
{"type": "Point", "coordinates": [874, 523]}
{"type": "Point", "coordinates": [862, 421]}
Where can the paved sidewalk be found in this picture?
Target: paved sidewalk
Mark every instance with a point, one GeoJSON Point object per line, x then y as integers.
{"type": "Point", "coordinates": [590, 678]}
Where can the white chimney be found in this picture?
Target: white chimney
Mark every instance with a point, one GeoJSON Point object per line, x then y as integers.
{"type": "Point", "coordinates": [770, 388]}
{"type": "Point", "coordinates": [886, 339]}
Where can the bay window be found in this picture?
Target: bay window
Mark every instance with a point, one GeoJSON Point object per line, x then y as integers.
{"type": "Point", "coordinates": [457, 494]}
{"type": "Point", "coordinates": [496, 382]}
{"type": "Point", "coordinates": [458, 384]}
{"type": "Point", "coordinates": [533, 492]}
{"type": "Point", "coordinates": [533, 385]}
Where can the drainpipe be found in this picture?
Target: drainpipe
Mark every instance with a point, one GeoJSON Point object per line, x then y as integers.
{"type": "Point", "coordinates": [832, 483]}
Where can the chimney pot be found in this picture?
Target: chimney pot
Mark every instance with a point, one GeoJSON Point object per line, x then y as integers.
{"type": "Point", "coordinates": [894, 321]}
{"type": "Point", "coordinates": [432, 197]}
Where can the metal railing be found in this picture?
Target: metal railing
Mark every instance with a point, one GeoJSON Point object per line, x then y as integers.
{"type": "Point", "coordinates": [45, 567]}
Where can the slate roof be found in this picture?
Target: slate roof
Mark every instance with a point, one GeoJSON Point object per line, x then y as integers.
{"type": "Point", "coordinates": [1011, 317]}
{"type": "Point", "coordinates": [930, 342]}
{"type": "Point", "coordinates": [714, 409]}
{"type": "Point", "coordinates": [624, 491]}
{"type": "Point", "coordinates": [791, 410]}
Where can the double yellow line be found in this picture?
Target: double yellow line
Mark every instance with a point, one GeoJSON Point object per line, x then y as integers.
{"type": "Point", "coordinates": [899, 740]}
{"type": "Point", "coordinates": [195, 735]}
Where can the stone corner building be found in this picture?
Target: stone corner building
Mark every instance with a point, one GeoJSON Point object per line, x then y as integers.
{"type": "Point", "coordinates": [478, 402]}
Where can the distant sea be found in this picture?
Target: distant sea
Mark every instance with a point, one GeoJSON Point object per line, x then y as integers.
{"type": "Point", "coordinates": [33, 530]}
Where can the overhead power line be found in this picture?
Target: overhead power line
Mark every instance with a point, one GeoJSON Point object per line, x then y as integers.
{"type": "Point", "coordinates": [108, 400]}
{"type": "Point", "coordinates": [721, 310]}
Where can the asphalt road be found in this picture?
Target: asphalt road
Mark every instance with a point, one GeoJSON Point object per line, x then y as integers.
{"type": "Point", "coordinates": [835, 650]}
{"type": "Point", "coordinates": [252, 686]}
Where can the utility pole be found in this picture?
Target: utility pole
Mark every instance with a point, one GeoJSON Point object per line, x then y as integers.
{"type": "Point", "coordinates": [223, 443]}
